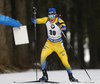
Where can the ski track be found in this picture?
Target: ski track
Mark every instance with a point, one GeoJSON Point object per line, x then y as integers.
{"type": "Point", "coordinates": [57, 76]}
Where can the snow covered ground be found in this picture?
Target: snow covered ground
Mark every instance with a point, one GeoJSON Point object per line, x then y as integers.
{"type": "Point", "coordinates": [58, 76]}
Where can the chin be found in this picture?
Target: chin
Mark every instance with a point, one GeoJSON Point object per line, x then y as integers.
{"type": "Point", "coordinates": [52, 21]}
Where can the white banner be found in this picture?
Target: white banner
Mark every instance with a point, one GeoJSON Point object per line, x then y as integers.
{"type": "Point", "coordinates": [20, 35]}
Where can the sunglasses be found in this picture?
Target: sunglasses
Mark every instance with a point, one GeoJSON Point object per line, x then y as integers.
{"type": "Point", "coordinates": [51, 16]}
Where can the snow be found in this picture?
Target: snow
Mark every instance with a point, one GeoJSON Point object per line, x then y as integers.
{"type": "Point", "coordinates": [57, 76]}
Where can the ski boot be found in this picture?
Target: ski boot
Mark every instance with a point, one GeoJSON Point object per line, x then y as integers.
{"type": "Point", "coordinates": [72, 79]}
{"type": "Point", "coordinates": [44, 78]}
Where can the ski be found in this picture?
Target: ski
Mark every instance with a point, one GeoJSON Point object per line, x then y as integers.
{"type": "Point", "coordinates": [86, 81]}
{"type": "Point", "coordinates": [77, 82]}
{"type": "Point", "coordinates": [53, 82]}
{"type": "Point", "coordinates": [38, 82]}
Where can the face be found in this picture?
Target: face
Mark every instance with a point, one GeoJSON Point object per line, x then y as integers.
{"type": "Point", "coordinates": [52, 18]}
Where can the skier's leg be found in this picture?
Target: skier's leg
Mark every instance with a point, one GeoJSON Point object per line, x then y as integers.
{"type": "Point", "coordinates": [64, 58]}
{"type": "Point", "coordinates": [46, 51]}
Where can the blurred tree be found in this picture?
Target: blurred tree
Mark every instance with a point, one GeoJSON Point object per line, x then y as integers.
{"type": "Point", "coordinates": [97, 10]}
{"type": "Point", "coordinates": [75, 27]}
{"type": "Point", "coordinates": [20, 52]}
{"type": "Point", "coordinates": [80, 30]}
{"type": "Point", "coordinates": [8, 32]}
{"type": "Point", "coordinates": [5, 62]}
{"type": "Point", "coordinates": [31, 47]}
{"type": "Point", "coordinates": [93, 31]}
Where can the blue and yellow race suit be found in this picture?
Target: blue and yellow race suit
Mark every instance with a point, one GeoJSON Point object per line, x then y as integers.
{"type": "Point", "coordinates": [54, 41]}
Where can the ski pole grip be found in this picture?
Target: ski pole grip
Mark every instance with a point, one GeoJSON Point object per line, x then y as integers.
{"type": "Point", "coordinates": [34, 10]}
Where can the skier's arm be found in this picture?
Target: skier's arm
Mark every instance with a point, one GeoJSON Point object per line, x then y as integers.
{"type": "Point", "coordinates": [5, 20]}
{"type": "Point", "coordinates": [61, 24]}
{"type": "Point", "coordinates": [41, 20]}
{"type": "Point", "coordinates": [38, 20]}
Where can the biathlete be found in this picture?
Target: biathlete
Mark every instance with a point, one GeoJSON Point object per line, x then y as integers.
{"type": "Point", "coordinates": [54, 42]}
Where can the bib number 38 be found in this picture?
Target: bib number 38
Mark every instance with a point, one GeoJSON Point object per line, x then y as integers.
{"type": "Point", "coordinates": [52, 32]}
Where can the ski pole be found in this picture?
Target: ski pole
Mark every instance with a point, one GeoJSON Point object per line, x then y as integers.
{"type": "Point", "coordinates": [34, 21]}
{"type": "Point", "coordinates": [75, 54]}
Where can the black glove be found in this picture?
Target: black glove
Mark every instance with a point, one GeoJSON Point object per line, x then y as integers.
{"type": "Point", "coordinates": [58, 24]}
{"type": "Point", "coordinates": [34, 10]}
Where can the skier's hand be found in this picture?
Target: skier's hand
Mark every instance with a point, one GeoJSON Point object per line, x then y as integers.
{"type": "Point", "coordinates": [20, 26]}
{"type": "Point", "coordinates": [34, 10]}
{"type": "Point", "coordinates": [58, 24]}
{"type": "Point", "coordinates": [61, 26]}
